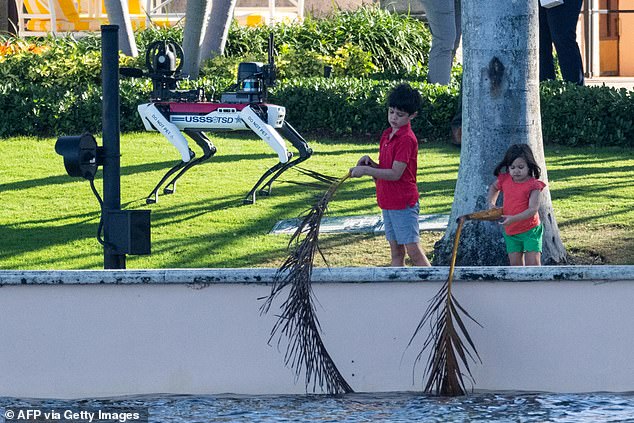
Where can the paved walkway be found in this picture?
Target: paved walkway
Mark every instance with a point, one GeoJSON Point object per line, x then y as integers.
{"type": "Point", "coordinates": [362, 224]}
{"type": "Point", "coordinates": [613, 81]}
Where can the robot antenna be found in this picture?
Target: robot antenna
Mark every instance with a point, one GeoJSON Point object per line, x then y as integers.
{"type": "Point", "coordinates": [270, 48]}
{"type": "Point", "coordinates": [271, 74]}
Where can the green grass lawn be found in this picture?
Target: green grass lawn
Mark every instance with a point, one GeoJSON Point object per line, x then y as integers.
{"type": "Point", "coordinates": [49, 220]}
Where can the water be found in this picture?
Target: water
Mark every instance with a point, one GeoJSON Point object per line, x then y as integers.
{"type": "Point", "coordinates": [387, 407]}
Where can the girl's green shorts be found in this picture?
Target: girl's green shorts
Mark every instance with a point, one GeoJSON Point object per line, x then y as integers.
{"type": "Point", "coordinates": [529, 241]}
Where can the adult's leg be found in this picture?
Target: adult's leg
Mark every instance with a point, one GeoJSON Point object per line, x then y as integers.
{"type": "Point", "coordinates": [562, 21]}
{"type": "Point", "coordinates": [416, 253]}
{"type": "Point", "coordinates": [546, 63]}
{"type": "Point", "coordinates": [397, 252]}
{"type": "Point", "coordinates": [442, 23]}
{"type": "Point", "coordinates": [458, 22]}
{"type": "Point", "coordinates": [456, 121]}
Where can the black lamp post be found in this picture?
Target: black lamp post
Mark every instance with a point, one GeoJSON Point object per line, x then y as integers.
{"type": "Point", "coordinates": [111, 140]}
{"type": "Point", "coordinates": [125, 231]}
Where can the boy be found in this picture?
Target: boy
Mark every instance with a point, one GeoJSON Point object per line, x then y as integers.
{"type": "Point", "coordinates": [395, 177]}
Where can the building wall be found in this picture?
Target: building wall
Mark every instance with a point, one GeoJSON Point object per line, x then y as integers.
{"type": "Point", "coordinates": [414, 7]}
{"type": "Point", "coordinates": [626, 39]}
{"type": "Point", "coordinates": [321, 7]}
{"type": "Point", "coordinates": [312, 7]}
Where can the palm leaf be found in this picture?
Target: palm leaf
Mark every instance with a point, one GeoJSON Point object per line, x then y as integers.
{"type": "Point", "coordinates": [449, 353]}
{"type": "Point", "coordinates": [326, 179]}
{"type": "Point", "coordinates": [322, 181]}
{"type": "Point", "coordinates": [298, 321]}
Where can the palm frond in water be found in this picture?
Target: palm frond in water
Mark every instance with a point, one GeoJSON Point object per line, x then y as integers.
{"type": "Point", "coordinates": [298, 321]}
{"type": "Point", "coordinates": [449, 353]}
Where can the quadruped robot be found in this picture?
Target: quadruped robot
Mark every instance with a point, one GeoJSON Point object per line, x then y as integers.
{"type": "Point", "coordinates": [172, 111]}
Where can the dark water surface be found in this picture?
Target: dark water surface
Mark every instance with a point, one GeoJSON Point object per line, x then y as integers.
{"type": "Point", "coordinates": [383, 407]}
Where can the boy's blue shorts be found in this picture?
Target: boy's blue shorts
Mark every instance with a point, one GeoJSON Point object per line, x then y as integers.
{"type": "Point", "coordinates": [402, 225]}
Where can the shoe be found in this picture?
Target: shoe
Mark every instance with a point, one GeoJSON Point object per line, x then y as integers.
{"type": "Point", "coordinates": [456, 135]}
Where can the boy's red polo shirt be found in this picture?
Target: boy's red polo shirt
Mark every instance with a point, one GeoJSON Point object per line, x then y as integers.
{"type": "Point", "coordinates": [403, 147]}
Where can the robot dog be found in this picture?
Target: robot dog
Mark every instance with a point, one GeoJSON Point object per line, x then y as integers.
{"type": "Point", "coordinates": [172, 111]}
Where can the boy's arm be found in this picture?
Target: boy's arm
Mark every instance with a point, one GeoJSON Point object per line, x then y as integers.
{"type": "Point", "coordinates": [492, 197]}
{"type": "Point", "coordinates": [393, 174]}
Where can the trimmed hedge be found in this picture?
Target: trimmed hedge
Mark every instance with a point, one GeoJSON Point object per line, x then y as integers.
{"type": "Point", "coordinates": [571, 115]}
{"type": "Point", "coordinates": [52, 86]}
{"type": "Point", "coordinates": [574, 115]}
{"type": "Point", "coordinates": [356, 107]}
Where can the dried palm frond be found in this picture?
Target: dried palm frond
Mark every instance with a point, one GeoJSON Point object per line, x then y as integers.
{"type": "Point", "coordinates": [449, 351]}
{"type": "Point", "coordinates": [321, 180]}
{"type": "Point", "coordinates": [326, 179]}
{"type": "Point", "coordinates": [490, 215]}
{"type": "Point", "coordinates": [298, 321]}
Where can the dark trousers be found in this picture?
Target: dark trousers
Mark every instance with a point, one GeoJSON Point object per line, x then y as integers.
{"type": "Point", "coordinates": [558, 25]}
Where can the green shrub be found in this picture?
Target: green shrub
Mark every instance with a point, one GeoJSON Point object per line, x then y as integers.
{"type": "Point", "coordinates": [574, 115]}
{"type": "Point", "coordinates": [368, 39]}
{"type": "Point", "coordinates": [52, 86]}
{"type": "Point", "coordinates": [393, 43]}
{"type": "Point", "coordinates": [356, 107]}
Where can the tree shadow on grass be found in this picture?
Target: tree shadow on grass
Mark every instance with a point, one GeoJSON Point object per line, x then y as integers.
{"type": "Point", "coordinates": [253, 222]}
{"type": "Point", "coordinates": [587, 172]}
{"type": "Point", "coordinates": [19, 241]}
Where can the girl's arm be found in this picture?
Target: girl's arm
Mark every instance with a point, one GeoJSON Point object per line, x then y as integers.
{"type": "Point", "coordinates": [393, 174]}
{"type": "Point", "coordinates": [492, 197]}
{"type": "Point", "coordinates": [533, 206]}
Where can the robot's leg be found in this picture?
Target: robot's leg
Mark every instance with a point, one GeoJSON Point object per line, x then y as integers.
{"type": "Point", "coordinates": [302, 147]}
{"type": "Point", "coordinates": [250, 197]}
{"type": "Point", "coordinates": [266, 188]}
{"type": "Point", "coordinates": [153, 196]}
{"type": "Point", "coordinates": [208, 150]}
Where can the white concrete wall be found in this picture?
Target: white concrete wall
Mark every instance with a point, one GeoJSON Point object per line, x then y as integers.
{"type": "Point", "coordinates": [199, 331]}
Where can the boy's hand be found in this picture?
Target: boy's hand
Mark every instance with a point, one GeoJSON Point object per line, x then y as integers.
{"type": "Point", "coordinates": [365, 161]}
{"type": "Point", "coordinates": [358, 171]}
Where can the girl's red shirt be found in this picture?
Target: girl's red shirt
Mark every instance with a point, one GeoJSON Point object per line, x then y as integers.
{"type": "Point", "coordinates": [403, 147]}
{"type": "Point", "coordinates": [516, 196]}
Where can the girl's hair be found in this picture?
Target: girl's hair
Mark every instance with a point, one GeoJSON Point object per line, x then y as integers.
{"type": "Point", "coordinates": [404, 97]}
{"type": "Point", "coordinates": [516, 151]}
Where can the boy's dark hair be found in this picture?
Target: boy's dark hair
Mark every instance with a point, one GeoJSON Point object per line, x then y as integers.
{"type": "Point", "coordinates": [404, 97]}
{"type": "Point", "coordinates": [516, 151]}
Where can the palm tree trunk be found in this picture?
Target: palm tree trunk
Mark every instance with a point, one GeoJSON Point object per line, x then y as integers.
{"type": "Point", "coordinates": [195, 17]}
{"type": "Point", "coordinates": [217, 29]}
{"type": "Point", "coordinates": [118, 14]}
{"type": "Point", "coordinates": [500, 108]}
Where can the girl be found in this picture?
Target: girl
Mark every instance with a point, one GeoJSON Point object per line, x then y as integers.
{"type": "Point", "coordinates": [521, 187]}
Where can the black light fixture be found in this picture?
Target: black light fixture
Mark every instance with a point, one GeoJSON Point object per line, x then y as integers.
{"type": "Point", "coordinates": [81, 155]}
{"type": "Point", "coordinates": [128, 230]}
{"type": "Point", "coordinates": [124, 231]}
